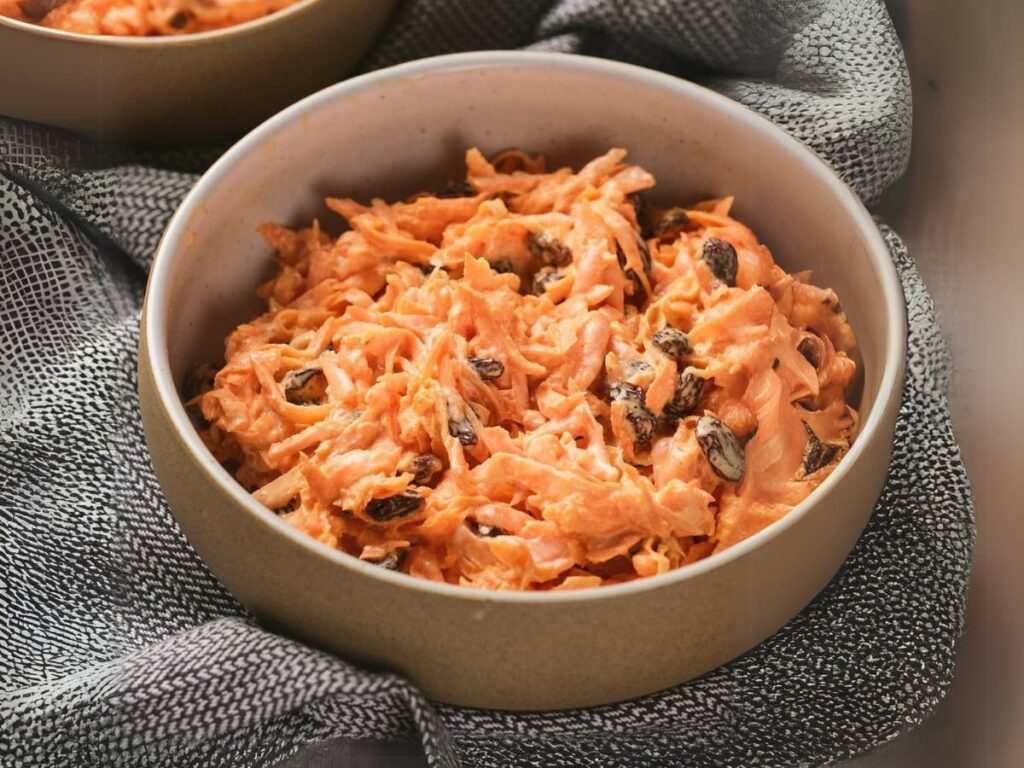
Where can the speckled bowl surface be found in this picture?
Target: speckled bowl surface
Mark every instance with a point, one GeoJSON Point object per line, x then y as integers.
{"type": "Point", "coordinates": [394, 132]}
{"type": "Point", "coordinates": [186, 88]}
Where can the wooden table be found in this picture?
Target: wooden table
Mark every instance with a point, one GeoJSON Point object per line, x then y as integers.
{"type": "Point", "coordinates": [960, 208]}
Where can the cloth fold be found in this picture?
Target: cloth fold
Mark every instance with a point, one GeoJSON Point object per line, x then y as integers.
{"type": "Point", "coordinates": [117, 646]}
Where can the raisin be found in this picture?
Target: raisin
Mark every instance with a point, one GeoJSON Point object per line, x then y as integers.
{"type": "Point", "coordinates": [503, 266]}
{"type": "Point", "coordinates": [669, 224]}
{"type": "Point", "coordinates": [672, 342]}
{"type": "Point", "coordinates": [37, 9]}
{"type": "Point", "coordinates": [723, 450]}
{"type": "Point", "coordinates": [549, 249]}
{"type": "Point", "coordinates": [643, 422]}
{"type": "Point", "coordinates": [645, 255]}
{"type": "Point", "coordinates": [392, 561]}
{"type": "Point", "coordinates": [544, 277]}
{"type": "Point", "coordinates": [460, 427]}
{"type": "Point", "coordinates": [637, 292]}
{"type": "Point", "coordinates": [463, 430]}
{"type": "Point", "coordinates": [624, 391]}
{"type": "Point", "coordinates": [832, 302]}
{"type": "Point", "coordinates": [289, 506]}
{"type": "Point", "coordinates": [637, 372]}
{"type": "Point", "coordinates": [636, 366]}
{"type": "Point", "coordinates": [686, 398]}
{"type": "Point", "coordinates": [424, 468]}
{"type": "Point", "coordinates": [810, 348]}
{"type": "Point", "coordinates": [456, 189]}
{"type": "Point", "coordinates": [487, 368]}
{"type": "Point", "coordinates": [306, 386]}
{"type": "Point", "coordinates": [179, 20]}
{"type": "Point", "coordinates": [721, 259]}
{"type": "Point", "coordinates": [639, 208]}
{"type": "Point", "coordinates": [390, 507]}
{"type": "Point", "coordinates": [816, 453]}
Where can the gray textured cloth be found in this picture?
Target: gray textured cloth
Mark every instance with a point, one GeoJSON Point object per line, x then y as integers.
{"type": "Point", "coordinates": [117, 647]}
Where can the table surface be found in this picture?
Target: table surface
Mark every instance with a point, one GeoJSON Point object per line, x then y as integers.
{"type": "Point", "coordinates": [956, 208]}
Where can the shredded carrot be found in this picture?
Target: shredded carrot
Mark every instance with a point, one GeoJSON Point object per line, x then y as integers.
{"type": "Point", "coordinates": [139, 17]}
{"type": "Point", "coordinates": [527, 382]}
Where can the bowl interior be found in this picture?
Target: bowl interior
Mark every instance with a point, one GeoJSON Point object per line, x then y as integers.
{"type": "Point", "coordinates": [403, 130]}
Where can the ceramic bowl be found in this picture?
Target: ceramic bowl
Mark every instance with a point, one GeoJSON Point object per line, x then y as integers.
{"type": "Point", "coordinates": [190, 88]}
{"type": "Point", "coordinates": [400, 130]}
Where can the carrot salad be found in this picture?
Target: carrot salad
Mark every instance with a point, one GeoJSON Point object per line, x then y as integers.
{"type": "Point", "coordinates": [532, 380]}
{"type": "Point", "coordinates": [139, 17]}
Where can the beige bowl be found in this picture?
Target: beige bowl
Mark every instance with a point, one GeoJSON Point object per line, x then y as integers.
{"type": "Point", "coordinates": [188, 88]}
{"type": "Point", "coordinates": [401, 130]}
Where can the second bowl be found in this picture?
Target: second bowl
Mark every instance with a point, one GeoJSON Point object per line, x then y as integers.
{"type": "Point", "coordinates": [191, 88]}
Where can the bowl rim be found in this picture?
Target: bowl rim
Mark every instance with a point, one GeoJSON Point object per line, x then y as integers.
{"type": "Point", "coordinates": [160, 41]}
{"type": "Point", "coordinates": [155, 313]}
